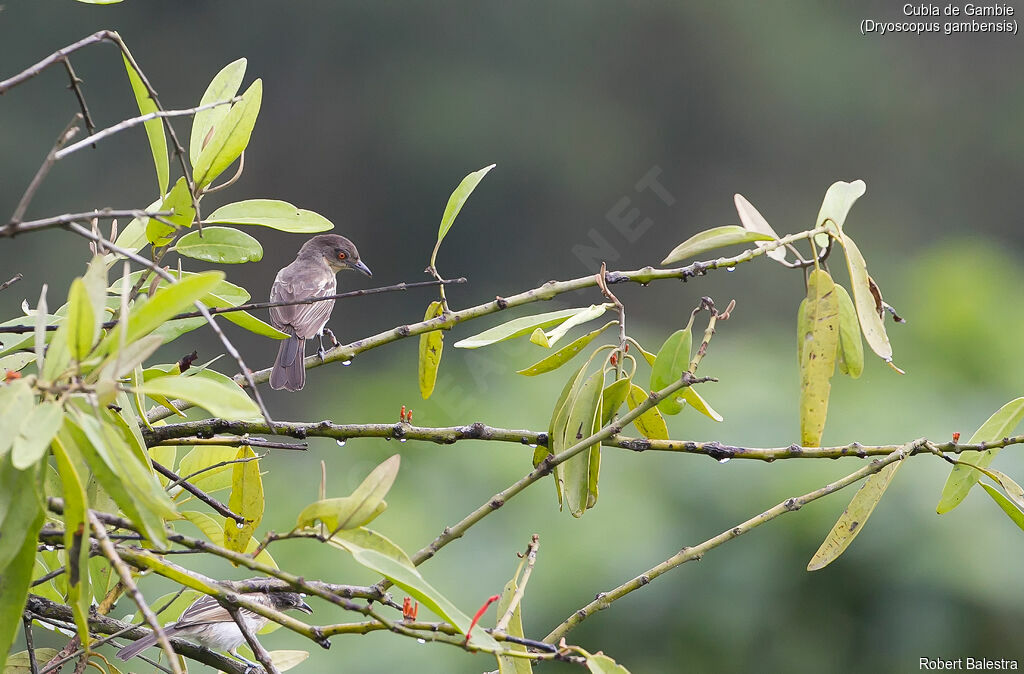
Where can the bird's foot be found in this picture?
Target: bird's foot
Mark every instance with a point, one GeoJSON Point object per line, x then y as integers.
{"type": "Point", "coordinates": [334, 340]}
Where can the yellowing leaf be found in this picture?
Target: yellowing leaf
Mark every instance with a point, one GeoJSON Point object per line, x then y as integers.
{"type": "Point", "coordinates": [753, 221]}
{"type": "Point", "coordinates": [716, 237]}
{"type": "Point", "coordinates": [851, 348]}
{"type": "Point", "coordinates": [431, 346]}
{"type": "Point", "coordinates": [819, 345]}
{"type": "Point", "coordinates": [516, 328]}
{"type": "Point", "coordinates": [698, 403]}
{"type": "Point", "coordinates": [870, 322]}
{"type": "Point", "coordinates": [650, 424]}
{"type": "Point", "coordinates": [565, 354]}
{"type": "Point", "coordinates": [839, 199]}
{"type": "Point", "coordinates": [246, 500]}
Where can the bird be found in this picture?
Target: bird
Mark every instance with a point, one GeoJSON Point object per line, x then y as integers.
{"type": "Point", "coordinates": [312, 274]}
{"type": "Point", "coordinates": [207, 622]}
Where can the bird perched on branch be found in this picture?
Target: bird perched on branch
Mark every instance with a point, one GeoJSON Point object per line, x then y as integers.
{"type": "Point", "coordinates": [207, 622]}
{"type": "Point", "coordinates": [312, 274]}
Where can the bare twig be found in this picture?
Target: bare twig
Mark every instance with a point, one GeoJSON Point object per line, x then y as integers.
{"type": "Point", "coordinates": [14, 228]}
{"type": "Point", "coordinates": [257, 648]}
{"type": "Point", "coordinates": [76, 86]}
{"type": "Point", "coordinates": [26, 623]}
{"type": "Point", "coordinates": [133, 591]}
{"type": "Point", "coordinates": [198, 493]}
{"type": "Point", "coordinates": [228, 441]}
{"type": "Point", "coordinates": [11, 281]}
{"type": "Point", "coordinates": [67, 134]}
{"type": "Point", "coordinates": [530, 558]}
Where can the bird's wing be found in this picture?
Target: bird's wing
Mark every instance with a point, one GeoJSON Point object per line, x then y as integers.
{"type": "Point", "coordinates": [207, 610]}
{"type": "Point", "coordinates": [305, 320]}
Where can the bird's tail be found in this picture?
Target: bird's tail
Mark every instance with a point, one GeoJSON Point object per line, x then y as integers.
{"type": "Point", "coordinates": [289, 372]}
{"type": "Point", "coordinates": [131, 650]}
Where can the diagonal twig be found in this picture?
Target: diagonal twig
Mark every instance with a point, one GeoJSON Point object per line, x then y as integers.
{"type": "Point", "coordinates": [51, 157]}
{"type": "Point", "coordinates": [257, 648]}
{"type": "Point", "coordinates": [198, 493]}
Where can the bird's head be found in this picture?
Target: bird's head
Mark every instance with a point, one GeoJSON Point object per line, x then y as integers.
{"type": "Point", "coordinates": [337, 251]}
{"type": "Point", "coordinates": [286, 601]}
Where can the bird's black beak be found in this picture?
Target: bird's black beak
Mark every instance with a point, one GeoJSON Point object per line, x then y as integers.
{"type": "Point", "coordinates": [358, 264]}
{"type": "Point", "coordinates": [304, 607]}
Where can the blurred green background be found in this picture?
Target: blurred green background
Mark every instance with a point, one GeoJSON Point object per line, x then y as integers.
{"type": "Point", "coordinates": [373, 112]}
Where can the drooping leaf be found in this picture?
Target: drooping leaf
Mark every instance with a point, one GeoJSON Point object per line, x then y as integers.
{"type": "Point", "coordinates": [516, 328]}
{"type": "Point", "coordinates": [508, 664]}
{"type": "Point", "coordinates": [21, 516]}
{"type": "Point", "coordinates": [549, 339]}
{"type": "Point", "coordinates": [602, 664]}
{"type": "Point", "coordinates": [203, 457]}
{"type": "Point", "coordinates": [698, 403]}
{"type": "Point", "coordinates": [557, 425]}
{"type": "Point", "coordinates": [455, 203]}
{"type": "Point", "coordinates": [584, 415]}
{"type": "Point", "coordinates": [285, 660]}
{"type": "Point", "coordinates": [753, 221]}
{"type": "Point", "coordinates": [119, 364]}
{"type": "Point", "coordinates": [162, 231]}
{"type": "Point", "coordinates": [36, 432]}
{"type": "Point", "coordinates": [431, 347]}
{"type": "Point", "coordinates": [40, 330]}
{"type": "Point", "coordinates": [962, 478]}
{"type": "Point", "coordinates": [565, 354]}
{"type": "Point", "coordinates": [82, 326]}
{"type": "Point", "coordinates": [76, 538]}
{"type": "Point", "coordinates": [154, 127]}
{"type": "Point", "coordinates": [16, 402]}
{"type": "Point", "coordinates": [242, 319]}
{"type": "Point", "coordinates": [851, 348]}
{"type": "Point", "coordinates": [871, 323]}
{"type": "Point", "coordinates": [839, 199]}
{"type": "Point", "coordinates": [672, 360]}
{"type": "Point", "coordinates": [246, 500]}
{"type": "Point", "coordinates": [613, 397]}
{"type": "Point", "coordinates": [270, 213]}
{"type": "Point", "coordinates": [819, 346]}
{"type": "Point", "coordinates": [1007, 506]}
{"type": "Point", "coordinates": [223, 87]}
{"type": "Point", "coordinates": [853, 519]}
{"type": "Point", "coordinates": [650, 424]}
{"type": "Point", "coordinates": [225, 245]}
{"type": "Point", "coordinates": [354, 511]}
{"type": "Point", "coordinates": [227, 401]}
{"type": "Point", "coordinates": [709, 239]}
{"type": "Point", "coordinates": [230, 137]}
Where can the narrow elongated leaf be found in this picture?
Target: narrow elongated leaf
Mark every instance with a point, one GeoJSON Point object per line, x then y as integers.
{"type": "Point", "coordinates": [15, 362]}
{"type": "Point", "coordinates": [455, 203]}
{"type": "Point", "coordinates": [851, 348]}
{"type": "Point", "coordinates": [650, 424]}
{"type": "Point", "coordinates": [753, 221]}
{"type": "Point", "coordinates": [83, 328]}
{"type": "Point", "coordinates": [121, 363]}
{"type": "Point", "coordinates": [853, 519]}
{"type": "Point", "coordinates": [363, 505]}
{"type": "Point", "coordinates": [1012, 511]}
{"type": "Point", "coordinates": [839, 199]}
{"type": "Point", "coordinates": [565, 354]}
{"type": "Point", "coordinates": [37, 430]}
{"type": "Point", "coordinates": [431, 347]}
{"type": "Point", "coordinates": [584, 413]}
{"type": "Point", "coordinates": [613, 397]}
{"type": "Point", "coordinates": [698, 403]}
{"type": "Point", "coordinates": [20, 663]}
{"type": "Point", "coordinates": [16, 402]}
{"type": "Point", "coordinates": [962, 478]}
{"type": "Point", "coordinates": [517, 327]}
{"type": "Point", "coordinates": [179, 201]}
{"type": "Point", "coordinates": [76, 538]}
{"type": "Point", "coordinates": [230, 137]}
{"type": "Point", "coordinates": [40, 330]}
{"type": "Point", "coordinates": [242, 319]}
{"type": "Point", "coordinates": [583, 316]}
{"type": "Point", "coordinates": [710, 239]}
{"type": "Point", "coordinates": [271, 213]}
{"type": "Point", "coordinates": [17, 572]}
{"type": "Point", "coordinates": [557, 425]}
{"type": "Point", "coordinates": [223, 87]}
{"type": "Point", "coordinates": [672, 360]}
{"type": "Point", "coordinates": [871, 323]}
{"type": "Point", "coordinates": [20, 502]}
{"type": "Point", "coordinates": [220, 400]}
{"type": "Point", "coordinates": [602, 664]}
{"type": "Point", "coordinates": [819, 346]}
{"type": "Point", "coordinates": [246, 500]}
{"type": "Point", "coordinates": [508, 664]}
{"type": "Point", "coordinates": [154, 127]}
{"type": "Point", "coordinates": [220, 244]}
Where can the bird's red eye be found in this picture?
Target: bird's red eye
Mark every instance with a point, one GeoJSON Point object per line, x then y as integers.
{"type": "Point", "coordinates": [342, 255]}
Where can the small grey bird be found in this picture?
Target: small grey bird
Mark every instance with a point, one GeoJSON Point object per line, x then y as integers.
{"type": "Point", "coordinates": [312, 274]}
{"type": "Point", "coordinates": [208, 623]}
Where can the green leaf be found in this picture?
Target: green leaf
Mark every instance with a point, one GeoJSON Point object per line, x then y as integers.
{"type": "Point", "coordinates": [270, 213]}
{"type": "Point", "coordinates": [853, 519]}
{"type": "Point", "coordinates": [716, 237]}
{"type": "Point", "coordinates": [516, 328]}
{"type": "Point", "coordinates": [37, 430]}
{"type": "Point", "coordinates": [246, 500]}
{"type": "Point", "coordinates": [230, 137]}
{"type": "Point", "coordinates": [205, 456]}
{"type": "Point", "coordinates": [354, 511]}
{"type": "Point", "coordinates": [613, 397]}
{"type": "Point", "coordinates": [285, 660]}
{"type": "Point", "coordinates": [16, 402]}
{"type": "Point", "coordinates": [431, 347]}
{"type": "Point", "coordinates": [962, 478]}
{"type": "Point", "coordinates": [155, 312]}
{"type": "Point", "coordinates": [698, 403]}
{"type": "Point", "coordinates": [82, 326]}
{"type": "Point", "coordinates": [223, 87]}
{"type": "Point", "coordinates": [508, 664]}
{"type": "Point", "coordinates": [154, 127]}
{"type": "Point", "coordinates": [839, 199]}
{"type": "Point", "coordinates": [117, 365]}
{"type": "Point", "coordinates": [19, 663]}
{"type": "Point", "coordinates": [220, 400]}
{"type": "Point", "coordinates": [819, 344]}
{"type": "Point", "coordinates": [21, 516]}
{"type": "Point", "coordinates": [76, 538]}
{"type": "Point", "coordinates": [650, 424]}
{"type": "Point", "coordinates": [220, 244]}
{"type": "Point", "coordinates": [579, 318]}
{"type": "Point", "coordinates": [583, 421]}
{"type": "Point", "coordinates": [1014, 513]}
{"type": "Point", "coordinates": [753, 221]}
{"type": "Point", "coordinates": [179, 200]}
{"type": "Point", "coordinates": [602, 664]}
{"type": "Point", "coordinates": [15, 362]}
{"type": "Point", "coordinates": [565, 354]}
{"type": "Point", "coordinates": [242, 319]}
{"type": "Point", "coordinates": [672, 360]}
{"type": "Point", "coordinates": [455, 203]}
{"type": "Point", "coordinates": [871, 323]}
{"type": "Point", "coordinates": [556, 427]}
{"type": "Point", "coordinates": [851, 348]}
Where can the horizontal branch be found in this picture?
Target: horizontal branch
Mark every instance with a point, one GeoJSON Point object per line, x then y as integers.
{"type": "Point", "coordinates": [605, 599]}
{"type": "Point", "coordinates": [15, 228]}
{"type": "Point", "coordinates": [192, 432]}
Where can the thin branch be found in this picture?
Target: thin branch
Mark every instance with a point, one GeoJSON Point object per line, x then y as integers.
{"type": "Point", "coordinates": [219, 464]}
{"type": "Point", "coordinates": [228, 346]}
{"type": "Point", "coordinates": [530, 558]}
{"type": "Point", "coordinates": [235, 442]}
{"type": "Point", "coordinates": [57, 56]}
{"type": "Point", "coordinates": [14, 228]}
{"type": "Point", "coordinates": [67, 134]}
{"type": "Point", "coordinates": [133, 591]}
{"type": "Point", "coordinates": [11, 281]}
{"type": "Point", "coordinates": [210, 189]}
{"type": "Point", "coordinates": [198, 493]}
{"type": "Point", "coordinates": [250, 638]}
{"type": "Point", "coordinates": [26, 623]}
{"type": "Point", "coordinates": [135, 121]}
{"type": "Point", "coordinates": [76, 86]}
{"type": "Point", "coordinates": [605, 599]}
